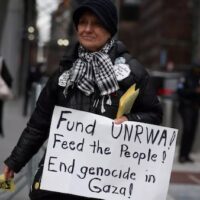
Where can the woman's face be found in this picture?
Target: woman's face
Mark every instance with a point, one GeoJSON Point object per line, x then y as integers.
{"type": "Point", "coordinates": [91, 34]}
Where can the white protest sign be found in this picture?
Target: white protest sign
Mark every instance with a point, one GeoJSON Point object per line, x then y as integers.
{"type": "Point", "coordinates": [88, 155]}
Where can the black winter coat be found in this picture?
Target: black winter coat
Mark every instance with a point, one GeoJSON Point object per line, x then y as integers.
{"type": "Point", "coordinates": [146, 108]}
{"type": "Point", "coordinates": [188, 97]}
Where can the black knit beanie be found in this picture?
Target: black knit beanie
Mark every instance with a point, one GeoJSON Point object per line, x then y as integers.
{"type": "Point", "coordinates": [105, 10]}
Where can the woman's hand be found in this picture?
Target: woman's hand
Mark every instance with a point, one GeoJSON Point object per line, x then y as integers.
{"type": "Point", "coordinates": [121, 120]}
{"type": "Point", "coordinates": [8, 173]}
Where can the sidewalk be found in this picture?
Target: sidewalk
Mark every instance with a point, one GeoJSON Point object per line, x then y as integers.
{"type": "Point", "coordinates": [185, 179]}
{"type": "Point", "coordinates": [14, 123]}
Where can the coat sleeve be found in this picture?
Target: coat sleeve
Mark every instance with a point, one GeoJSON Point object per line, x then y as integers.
{"type": "Point", "coordinates": [147, 107]}
{"type": "Point", "coordinates": [37, 129]}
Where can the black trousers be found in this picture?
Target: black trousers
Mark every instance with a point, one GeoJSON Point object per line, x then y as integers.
{"type": "Point", "coordinates": [47, 195]}
{"type": "Point", "coordinates": [38, 194]}
{"type": "Point", "coordinates": [189, 115]}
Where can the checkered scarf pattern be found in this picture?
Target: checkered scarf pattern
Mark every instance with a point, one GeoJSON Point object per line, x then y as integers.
{"type": "Point", "coordinates": [93, 68]}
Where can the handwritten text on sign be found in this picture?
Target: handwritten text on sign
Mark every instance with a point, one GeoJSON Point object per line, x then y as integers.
{"type": "Point", "coordinates": [89, 155]}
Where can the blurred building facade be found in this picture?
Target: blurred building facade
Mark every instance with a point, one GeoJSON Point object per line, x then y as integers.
{"type": "Point", "coordinates": [129, 12]}
{"type": "Point", "coordinates": [163, 35]}
{"type": "Point", "coordinates": [3, 7]}
{"type": "Point", "coordinates": [196, 30]}
{"type": "Point", "coordinates": [10, 36]}
{"type": "Point", "coordinates": [29, 41]}
{"type": "Point", "coordinates": [166, 33]}
{"type": "Point", "coordinates": [60, 35]}
{"type": "Point", "coordinates": [18, 38]}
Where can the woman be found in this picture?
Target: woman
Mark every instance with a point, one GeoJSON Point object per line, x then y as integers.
{"type": "Point", "coordinates": [87, 81]}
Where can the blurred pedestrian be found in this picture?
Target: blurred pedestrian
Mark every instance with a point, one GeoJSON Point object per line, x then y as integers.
{"type": "Point", "coordinates": [87, 80]}
{"type": "Point", "coordinates": [189, 102]}
{"type": "Point", "coordinates": [35, 74]}
{"type": "Point", "coordinates": [5, 74]}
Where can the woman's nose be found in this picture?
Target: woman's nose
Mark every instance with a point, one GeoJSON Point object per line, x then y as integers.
{"type": "Point", "coordinates": [88, 27]}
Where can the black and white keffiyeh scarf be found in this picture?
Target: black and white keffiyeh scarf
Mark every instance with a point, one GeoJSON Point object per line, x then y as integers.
{"type": "Point", "coordinates": [93, 68]}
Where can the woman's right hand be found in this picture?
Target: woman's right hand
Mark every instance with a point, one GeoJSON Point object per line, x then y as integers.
{"type": "Point", "coordinates": [8, 173]}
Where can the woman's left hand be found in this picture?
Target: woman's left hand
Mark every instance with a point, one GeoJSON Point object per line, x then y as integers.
{"type": "Point", "coordinates": [120, 120]}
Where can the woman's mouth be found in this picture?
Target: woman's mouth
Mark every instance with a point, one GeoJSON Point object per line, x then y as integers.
{"type": "Point", "coordinates": [87, 37]}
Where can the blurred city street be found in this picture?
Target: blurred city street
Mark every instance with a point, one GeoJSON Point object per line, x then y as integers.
{"type": "Point", "coordinates": [36, 34]}
{"type": "Point", "coordinates": [185, 179]}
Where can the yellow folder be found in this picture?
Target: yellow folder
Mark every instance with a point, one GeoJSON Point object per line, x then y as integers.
{"type": "Point", "coordinates": [127, 100]}
{"type": "Point", "coordinates": [7, 185]}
